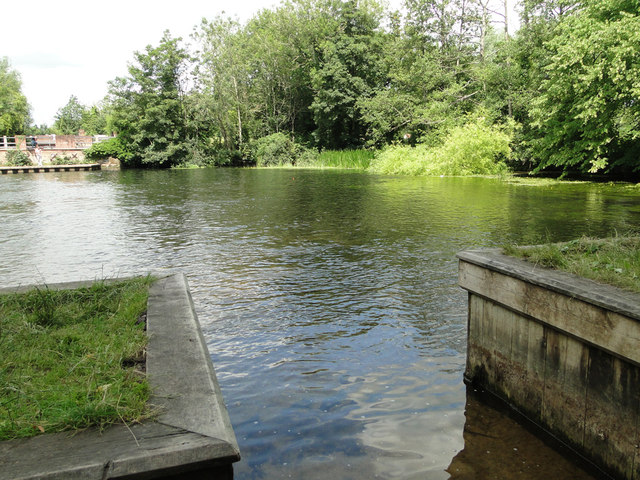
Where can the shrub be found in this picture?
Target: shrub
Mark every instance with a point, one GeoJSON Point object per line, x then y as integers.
{"type": "Point", "coordinates": [279, 149]}
{"type": "Point", "coordinates": [18, 158]}
{"type": "Point", "coordinates": [65, 160]}
{"type": "Point", "coordinates": [475, 148]}
{"type": "Point", "coordinates": [402, 160]}
{"type": "Point", "coordinates": [109, 148]}
{"type": "Point", "coordinates": [224, 157]}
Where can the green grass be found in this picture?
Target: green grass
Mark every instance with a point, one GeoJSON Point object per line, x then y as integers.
{"type": "Point", "coordinates": [71, 358]}
{"type": "Point", "coordinates": [614, 261]}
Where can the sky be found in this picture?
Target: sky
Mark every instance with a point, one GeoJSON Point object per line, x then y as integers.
{"type": "Point", "coordinates": [72, 47]}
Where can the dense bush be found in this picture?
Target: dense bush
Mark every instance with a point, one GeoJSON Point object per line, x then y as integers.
{"type": "Point", "coordinates": [473, 149]}
{"type": "Point", "coordinates": [18, 158]}
{"type": "Point", "coordinates": [111, 148]}
{"type": "Point", "coordinates": [279, 149]}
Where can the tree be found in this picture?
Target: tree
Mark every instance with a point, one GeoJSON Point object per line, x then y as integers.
{"type": "Point", "coordinates": [587, 115]}
{"type": "Point", "coordinates": [430, 81]}
{"type": "Point", "coordinates": [15, 114]}
{"type": "Point", "coordinates": [96, 119]}
{"type": "Point", "coordinates": [349, 70]}
{"type": "Point", "coordinates": [68, 119]}
{"type": "Point", "coordinates": [223, 77]}
{"type": "Point", "coordinates": [150, 108]}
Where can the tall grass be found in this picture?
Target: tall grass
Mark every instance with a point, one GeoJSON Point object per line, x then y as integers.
{"type": "Point", "coordinates": [69, 358]}
{"type": "Point", "coordinates": [354, 159]}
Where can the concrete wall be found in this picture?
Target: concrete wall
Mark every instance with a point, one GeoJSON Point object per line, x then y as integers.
{"type": "Point", "coordinates": [74, 154]}
{"type": "Point", "coordinates": [562, 350]}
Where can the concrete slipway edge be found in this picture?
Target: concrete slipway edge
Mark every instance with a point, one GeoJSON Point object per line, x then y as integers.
{"type": "Point", "coordinates": [192, 433]}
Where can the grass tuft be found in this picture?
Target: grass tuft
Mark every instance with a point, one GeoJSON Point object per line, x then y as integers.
{"type": "Point", "coordinates": [67, 358]}
{"type": "Point", "coordinates": [614, 261]}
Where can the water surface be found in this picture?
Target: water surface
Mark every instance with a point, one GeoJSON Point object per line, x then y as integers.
{"type": "Point", "coordinates": [328, 300]}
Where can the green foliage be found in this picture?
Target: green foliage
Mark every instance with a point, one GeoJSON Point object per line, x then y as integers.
{"type": "Point", "coordinates": [69, 118]}
{"type": "Point", "coordinates": [74, 116]}
{"type": "Point", "coordinates": [111, 148]}
{"type": "Point", "coordinates": [473, 149]}
{"type": "Point", "coordinates": [38, 130]}
{"type": "Point", "coordinates": [349, 68]}
{"type": "Point", "coordinates": [149, 108]}
{"type": "Point", "coordinates": [279, 149]}
{"type": "Point", "coordinates": [340, 74]}
{"type": "Point", "coordinates": [14, 110]}
{"type": "Point", "coordinates": [65, 160]}
{"type": "Point", "coordinates": [96, 119]}
{"type": "Point", "coordinates": [18, 158]}
{"type": "Point", "coordinates": [587, 115]}
{"type": "Point", "coordinates": [68, 358]}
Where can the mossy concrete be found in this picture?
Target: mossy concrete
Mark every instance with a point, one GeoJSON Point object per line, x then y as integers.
{"type": "Point", "coordinates": [192, 436]}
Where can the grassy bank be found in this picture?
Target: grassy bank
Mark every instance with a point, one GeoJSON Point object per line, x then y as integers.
{"type": "Point", "coordinates": [615, 261]}
{"type": "Point", "coordinates": [72, 358]}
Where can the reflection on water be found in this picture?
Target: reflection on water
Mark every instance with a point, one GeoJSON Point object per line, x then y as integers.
{"type": "Point", "coordinates": [495, 446]}
{"type": "Point", "coordinates": [328, 299]}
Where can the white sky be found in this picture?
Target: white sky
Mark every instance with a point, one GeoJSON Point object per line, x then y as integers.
{"type": "Point", "coordinates": [73, 47]}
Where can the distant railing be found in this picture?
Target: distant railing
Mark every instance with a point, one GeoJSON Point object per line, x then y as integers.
{"type": "Point", "coordinates": [100, 138]}
{"type": "Point", "coordinates": [50, 142]}
{"type": "Point", "coordinates": [7, 143]}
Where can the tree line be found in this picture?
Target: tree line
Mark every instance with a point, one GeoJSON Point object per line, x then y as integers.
{"type": "Point", "coordinates": [564, 90]}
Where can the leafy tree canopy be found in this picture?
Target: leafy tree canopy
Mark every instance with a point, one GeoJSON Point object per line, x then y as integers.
{"type": "Point", "coordinates": [149, 106]}
{"type": "Point", "coordinates": [68, 119]}
{"type": "Point", "coordinates": [588, 112]}
{"type": "Point", "coordinates": [15, 114]}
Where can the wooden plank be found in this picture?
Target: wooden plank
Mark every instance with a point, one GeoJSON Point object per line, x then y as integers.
{"type": "Point", "coordinates": [606, 296]}
{"type": "Point", "coordinates": [504, 371]}
{"type": "Point", "coordinates": [506, 354]}
{"type": "Point", "coordinates": [51, 168]}
{"type": "Point", "coordinates": [579, 360]}
{"type": "Point", "coordinates": [192, 432]}
{"type": "Point", "coordinates": [614, 332]}
{"type": "Point", "coordinates": [564, 404]}
{"type": "Point", "coordinates": [612, 410]}
{"type": "Point", "coordinates": [475, 341]}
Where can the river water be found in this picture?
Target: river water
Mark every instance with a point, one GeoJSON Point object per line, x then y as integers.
{"type": "Point", "coordinates": [328, 300]}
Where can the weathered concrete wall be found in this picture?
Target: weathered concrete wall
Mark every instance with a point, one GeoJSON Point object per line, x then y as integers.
{"type": "Point", "coordinates": [48, 154]}
{"type": "Point", "coordinates": [562, 350]}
